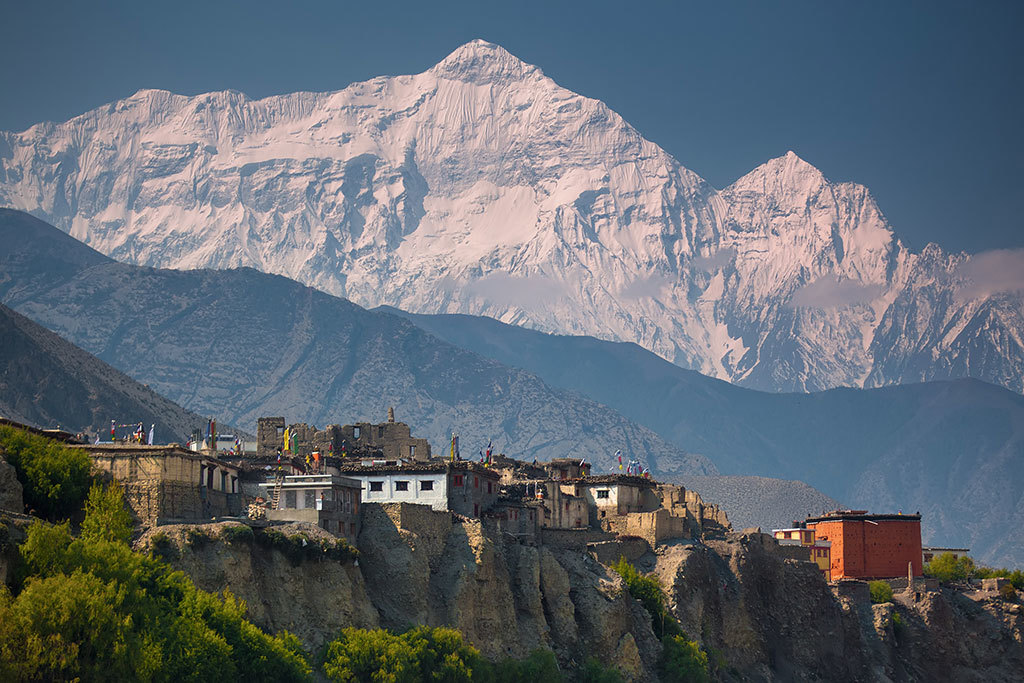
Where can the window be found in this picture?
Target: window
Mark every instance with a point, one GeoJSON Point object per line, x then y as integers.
{"type": "Point", "coordinates": [401, 486]}
{"type": "Point", "coordinates": [280, 432]}
{"type": "Point", "coordinates": [289, 500]}
{"type": "Point", "coordinates": [427, 485]}
{"type": "Point", "coordinates": [458, 480]}
{"type": "Point", "coordinates": [223, 480]}
{"type": "Point", "coordinates": [310, 499]}
{"type": "Point", "coordinates": [476, 509]}
{"type": "Point", "coordinates": [412, 451]}
{"type": "Point", "coordinates": [352, 528]}
{"type": "Point", "coordinates": [376, 486]}
{"type": "Point", "coordinates": [488, 487]}
{"type": "Point", "coordinates": [380, 431]}
{"type": "Point", "coordinates": [603, 493]}
{"type": "Point", "coordinates": [476, 482]}
{"type": "Point", "coordinates": [355, 432]}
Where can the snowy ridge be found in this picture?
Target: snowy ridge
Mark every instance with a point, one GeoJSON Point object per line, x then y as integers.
{"type": "Point", "coordinates": [480, 186]}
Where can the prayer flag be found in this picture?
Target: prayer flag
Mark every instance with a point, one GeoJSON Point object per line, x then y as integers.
{"type": "Point", "coordinates": [152, 429]}
{"type": "Point", "coordinates": [286, 434]}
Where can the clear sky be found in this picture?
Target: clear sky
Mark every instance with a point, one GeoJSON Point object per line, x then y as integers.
{"type": "Point", "coordinates": [923, 102]}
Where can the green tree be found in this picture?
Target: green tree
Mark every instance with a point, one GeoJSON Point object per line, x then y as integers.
{"type": "Point", "coordinates": [55, 479]}
{"type": "Point", "coordinates": [948, 567]}
{"type": "Point", "coordinates": [881, 591]}
{"type": "Point", "coordinates": [647, 591]}
{"type": "Point", "coordinates": [92, 608]}
{"type": "Point", "coordinates": [683, 661]}
{"type": "Point", "coordinates": [106, 516]}
{"type": "Point", "coordinates": [420, 654]}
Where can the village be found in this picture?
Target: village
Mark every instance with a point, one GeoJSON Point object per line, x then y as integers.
{"type": "Point", "coordinates": [298, 473]}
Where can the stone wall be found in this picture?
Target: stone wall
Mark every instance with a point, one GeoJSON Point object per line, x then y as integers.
{"type": "Point", "coordinates": [160, 502]}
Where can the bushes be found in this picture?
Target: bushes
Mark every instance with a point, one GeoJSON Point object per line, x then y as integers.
{"type": "Point", "coordinates": [92, 609]}
{"type": "Point", "coordinates": [682, 658]}
{"type": "Point", "coordinates": [881, 591]}
{"type": "Point", "coordinates": [947, 567]}
{"type": "Point", "coordinates": [196, 539]}
{"type": "Point", "coordinates": [1016, 576]}
{"type": "Point", "coordinates": [55, 479]}
{"type": "Point", "coordinates": [420, 654]}
{"type": "Point", "coordinates": [238, 534]}
{"type": "Point", "coordinates": [106, 516]}
{"type": "Point", "coordinates": [300, 547]}
{"type": "Point", "coordinates": [162, 547]}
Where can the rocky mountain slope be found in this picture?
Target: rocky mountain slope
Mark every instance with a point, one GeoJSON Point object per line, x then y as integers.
{"type": "Point", "coordinates": [953, 450]}
{"type": "Point", "coordinates": [481, 186]}
{"type": "Point", "coordinates": [758, 616]}
{"type": "Point", "coordinates": [240, 344]}
{"type": "Point", "coordinates": [48, 382]}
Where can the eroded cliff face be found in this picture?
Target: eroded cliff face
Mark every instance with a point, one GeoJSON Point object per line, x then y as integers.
{"type": "Point", "coordinates": [758, 615]}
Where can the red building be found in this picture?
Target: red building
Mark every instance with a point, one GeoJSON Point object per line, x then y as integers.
{"type": "Point", "coordinates": [870, 546]}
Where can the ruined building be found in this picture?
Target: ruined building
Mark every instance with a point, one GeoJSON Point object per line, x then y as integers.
{"type": "Point", "coordinates": [389, 440]}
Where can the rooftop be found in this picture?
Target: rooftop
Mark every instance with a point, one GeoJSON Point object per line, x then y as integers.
{"type": "Point", "coordinates": [862, 516]}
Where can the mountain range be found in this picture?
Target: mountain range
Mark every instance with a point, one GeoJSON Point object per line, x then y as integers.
{"type": "Point", "coordinates": [240, 344]}
{"type": "Point", "coordinates": [48, 382]}
{"type": "Point", "coordinates": [480, 186]}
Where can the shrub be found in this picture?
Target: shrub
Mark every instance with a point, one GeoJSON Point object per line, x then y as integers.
{"type": "Point", "coordinates": [541, 665]}
{"type": "Point", "coordinates": [237, 534]}
{"type": "Point", "coordinates": [92, 609]}
{"type": "Point", "coordinates": [197, 538]}
{"type": "Point", "coordinates": [106, 516]}
{"type": "Point", "coordinates": [420, 654]}
{"type": "Point", "coordinates": [1008, 592]}
{"type": "Point", "coordinates": [647, 591]}
{"type": "Point", "coordinates": [1016, 576]}
{"type": "Point", "coordinates": [947, 567]}
{"type": "Point", "coordinates": [162, 547]}
{"type": "Point", "coordinates": [593, 671]}
{"type": "Point", "coordinates": [881, 591]}
{"type": "Point", "coordinates": [300, 547]}
{"type": "Point", "coordinates": [55, 479]}
{"type": "Point", "coordinates": [682, 660]}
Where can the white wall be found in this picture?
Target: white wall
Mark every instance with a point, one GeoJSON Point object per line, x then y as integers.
{"type": "Point", "coordinates": [436, 499]}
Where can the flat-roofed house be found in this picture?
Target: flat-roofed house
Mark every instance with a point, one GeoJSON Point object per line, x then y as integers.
{"type": "Point", "coordinates": [329, 501]}
{"type": "Point", "coordinates": [462, 487]}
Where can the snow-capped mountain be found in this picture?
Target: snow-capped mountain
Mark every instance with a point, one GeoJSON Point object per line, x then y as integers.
{"type": "Point", "coordinates": [481, 186]}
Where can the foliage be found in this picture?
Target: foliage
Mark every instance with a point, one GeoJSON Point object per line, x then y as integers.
{"type": "Point", "coordinates": [948, 567]}
{"type": "Point", "coordinates": [163, 547]}
{"type": "Point", "coordinates": [881, 591]}
{"type": "Point", "coordinates": [197, 538]}
{"type": "Point", "coordinates": [301, 547]}
{"type": "Point", "coordinates": [1008, 592]}
{"type": "Point", "coordinates": [237, 534]}
{"type": "Point", "coordinates": [647, 591]}
{"type": "Point", "coordinates": [106, 516]}
{"type": "Point", "coordinates": [93, 609]}
{"type": "Point", "coordinates": [1015, 576]}
{"type": "Point", "coordinates": [541, 665]}
{"type": "Point", "coordinates": [593, 671]}
{"type": "Point", "coordinates": [897, 622]}
{"type": "Point", "coordinates": [682, 660]}
{"type": "Point", "coordinates": [55, 479]}
{"type": "Point", "coordinates": [420, 654]}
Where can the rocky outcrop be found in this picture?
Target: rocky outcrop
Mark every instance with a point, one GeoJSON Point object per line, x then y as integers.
{"type": "Point", "coordinates": [10, 487]}
{"type": "Point", "coordinates": [758, 615]}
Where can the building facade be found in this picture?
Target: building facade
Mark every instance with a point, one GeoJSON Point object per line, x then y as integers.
{"type": "Point", "coordinates": [463, 487]}
{"type": "Point", "coordinates": [167, 484]}
{"type": "Point", "coordinates": [329, 501]}
{"type": "Point", "coordinates": [820, 550]}
{"type": "Point", "coordinates": [389, 440]}
{"type": "Point", "coordinates": [867, 546]}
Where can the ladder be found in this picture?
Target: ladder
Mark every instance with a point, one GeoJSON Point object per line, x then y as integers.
{"type": "Point", "coordinates": [275, 499]}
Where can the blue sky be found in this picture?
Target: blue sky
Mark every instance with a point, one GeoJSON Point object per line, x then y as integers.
{"type": "Point", "coordinates": [920, 101]}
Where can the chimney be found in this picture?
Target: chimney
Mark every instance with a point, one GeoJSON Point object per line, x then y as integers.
{"type": "Point", "coordinates": [391, 414]}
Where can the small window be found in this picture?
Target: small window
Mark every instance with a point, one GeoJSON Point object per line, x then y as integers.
{"type": "Point", "coordinates": [310, 499]}
{"type": "Point", "coordinates": [289, 500]}
{"type": "Point", "coordinates": [355, 432]}
{"type": "Point", "coordinates": [352, 528]}
{"type": "Point", "coordinates": [376, 486]}
{"type": "Point", "coordinates": [427, 485]}
{"type": "Point", "coordinates": [476, 509]}
{"type": "Point", "coordinates": [458, 480]}
{"type": "Point", "coordinates": [380, 431]}
{"type": "Point", "coordinates": [401, 486]}
{"type": "Point", "coordinates": [476, 482]}
{"type": "Point", "coordinates": [280, 431]}
{"type": "Point", "coordinates": [488, 487]}
{"type": "Point", "coordinates": [412, 451]}
{"type": "Point", "coordinates": [603, 493]}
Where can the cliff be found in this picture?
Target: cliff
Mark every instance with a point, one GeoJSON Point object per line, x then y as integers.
{"type": "Point", "coordinates": [758, 615]}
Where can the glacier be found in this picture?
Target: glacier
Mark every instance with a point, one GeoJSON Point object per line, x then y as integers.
{"type": "Point", "coordinates": [481, 186]}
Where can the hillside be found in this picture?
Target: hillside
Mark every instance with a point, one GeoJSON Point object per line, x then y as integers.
{"type": "Point", "coordinates": [482, 186]}
{"type": "Point", "coordinates": [48, 382]}
{"type": "Point", "coordinates": [240, 344]}
{"type": "Point", "coordinates": [953, 450]}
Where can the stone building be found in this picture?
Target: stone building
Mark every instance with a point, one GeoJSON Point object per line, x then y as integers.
{"type": "Point", "coordinates": [818, 550]}
{"type": "Point", "coordinates": [567, 468]}
{"type": "Point", "coordinates": [389, 440]}
{"type": "Point", "coordinates": [329, 501]}
{"type": "Point", "coordinates": [169, 484]}
{"type": "Point", "coordinates": [462, 487]}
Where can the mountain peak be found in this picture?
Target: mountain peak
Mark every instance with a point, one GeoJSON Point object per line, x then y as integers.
{"type": "Point", "coordinates": [786, 171]}
{"type": "Point", "coordinates": [483, 62]}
